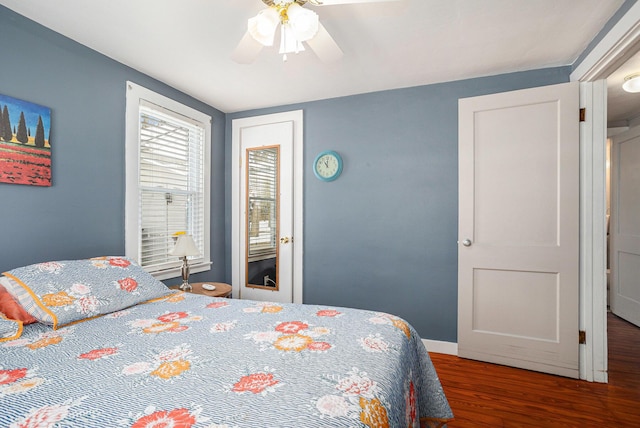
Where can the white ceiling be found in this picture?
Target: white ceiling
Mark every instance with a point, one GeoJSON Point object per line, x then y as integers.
{"type": "Point", "coordinates": [387, 45]}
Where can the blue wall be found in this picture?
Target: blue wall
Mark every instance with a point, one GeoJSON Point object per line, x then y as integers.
{"type": "Point", "coordinates": [82, 214]}
{"type": "Point", "coordinates": [383, 236]}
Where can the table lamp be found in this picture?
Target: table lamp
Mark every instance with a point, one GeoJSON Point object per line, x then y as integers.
{"type": "Point", "coordinates": [185, 247]}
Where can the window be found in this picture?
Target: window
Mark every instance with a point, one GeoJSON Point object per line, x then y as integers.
{"type": "Point", "coordinates": [168, 173]}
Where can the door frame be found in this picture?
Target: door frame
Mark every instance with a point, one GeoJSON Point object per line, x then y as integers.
{"type": "Point", "coordinates": [618, 45]}
{"type": "Point", "coordinates": [237, 220]}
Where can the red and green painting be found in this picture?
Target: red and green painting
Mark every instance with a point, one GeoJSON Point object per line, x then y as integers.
{"type": "Point", "coordinates": [25, 144]}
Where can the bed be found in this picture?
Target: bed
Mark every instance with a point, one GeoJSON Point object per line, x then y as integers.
{"type": "Point", "coordinates": [100, 343]}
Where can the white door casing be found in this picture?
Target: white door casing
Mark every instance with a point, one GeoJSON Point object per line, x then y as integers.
{"type": "Point", "coordinates": [519, 211]}
{"type": "Point", "coordinates": [619, 44]}
{"type": "Point", "coordinates": [625, 226]}
{"type": "Point", "coordinates": [286, 131]}
{"type": "Point", "coordinates": [593, 209]}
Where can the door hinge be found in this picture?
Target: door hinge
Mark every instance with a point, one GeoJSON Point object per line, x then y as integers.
{"type": "Point", "coordinates": [582, 337]}
{"type": "Point", "coordinates": [583, 114]}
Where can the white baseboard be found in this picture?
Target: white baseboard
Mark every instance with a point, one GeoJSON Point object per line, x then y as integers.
{"type": "Point", "coordinates": [450, 348]}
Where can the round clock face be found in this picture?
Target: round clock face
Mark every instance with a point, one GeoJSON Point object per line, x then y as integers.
{"type": "Point", "coordinates": [327, 166]}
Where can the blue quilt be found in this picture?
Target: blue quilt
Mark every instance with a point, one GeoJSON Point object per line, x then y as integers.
{"type": "Point", "coordinates": [192, 361]}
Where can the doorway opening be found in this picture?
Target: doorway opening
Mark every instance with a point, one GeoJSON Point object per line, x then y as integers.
{"type": "Point", "coordinates": [623, 195]}
{"type": "Point", "coordinates": [623, 219]}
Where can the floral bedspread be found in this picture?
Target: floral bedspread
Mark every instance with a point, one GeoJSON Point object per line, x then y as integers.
{"type": "Point", "coordinates": [190, 360]}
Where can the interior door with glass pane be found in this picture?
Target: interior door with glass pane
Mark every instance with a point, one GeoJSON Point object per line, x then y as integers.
{"type": "Point", "coordinates": [266, 204]}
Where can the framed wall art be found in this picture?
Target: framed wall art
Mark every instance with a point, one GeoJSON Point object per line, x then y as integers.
{"type": "Point", "coordinates": [25, 143]}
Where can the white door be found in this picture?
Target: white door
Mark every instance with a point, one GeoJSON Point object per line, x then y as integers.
{"type": "Point", "coordinates": [625, 226]}
{"type": "Point", "coordinates": [518, 255]}
{"type": "Point", "coordinates": [265, 232]}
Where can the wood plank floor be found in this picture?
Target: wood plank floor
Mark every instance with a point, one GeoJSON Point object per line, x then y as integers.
{"type": "Point", "coordinates": [489, 395]}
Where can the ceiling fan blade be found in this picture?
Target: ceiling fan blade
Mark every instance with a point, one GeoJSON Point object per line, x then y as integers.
{"type": "Point", "coordinates": [247, 50]}
{"type": "Point", "coordinates": [336, 2]}
{"type": "Point", "coordinates": [324, 46]}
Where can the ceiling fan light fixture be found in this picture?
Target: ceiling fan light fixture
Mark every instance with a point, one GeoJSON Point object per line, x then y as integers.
{"type": "Point", "coordinates": [262, 27]}
{"type": "Point", "coordinates": [632, 83]}
{"type": "Point", "coordinates": [297, 25]}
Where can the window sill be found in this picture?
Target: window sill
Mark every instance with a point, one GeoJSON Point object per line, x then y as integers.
{"type": "Point", "coordinates": [177, 272]}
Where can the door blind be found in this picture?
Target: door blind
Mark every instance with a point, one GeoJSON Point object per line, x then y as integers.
{"type": "Point", "coordinates": [171, 183]}
{"type": "Point", "coordinates": [262, 201]}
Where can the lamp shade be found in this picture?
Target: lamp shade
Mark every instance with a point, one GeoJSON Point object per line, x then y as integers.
{"type": "Point", "coordinates": [632, 83]}
{"type": "Point", "coordinates": [262, 27]}
{"type": "Point", "coordinates": [185, 247]}
{"type": "Point", "coordinates": [304, 22]}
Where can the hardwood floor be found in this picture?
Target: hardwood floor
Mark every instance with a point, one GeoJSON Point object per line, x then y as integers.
{"type": "Point", "coordinates": [488, 395]}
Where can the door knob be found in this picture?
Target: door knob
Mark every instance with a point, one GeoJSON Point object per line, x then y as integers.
{"type": "Point", "coordinates": [466, 242]}
{"type": "Point", "coordinates": [286, 240]}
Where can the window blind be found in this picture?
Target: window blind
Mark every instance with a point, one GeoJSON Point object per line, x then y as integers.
{"type": "Point", "coordinates": [171, 184]}
{"type": "Point", "coordinates": [262, 201]}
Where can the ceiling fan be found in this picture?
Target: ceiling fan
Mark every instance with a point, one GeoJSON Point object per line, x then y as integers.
{"type": "Point", "coordinates": [297, 24]}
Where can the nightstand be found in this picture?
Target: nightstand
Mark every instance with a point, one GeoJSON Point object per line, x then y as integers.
{"type": "Point", "coordinates": [222, 289]}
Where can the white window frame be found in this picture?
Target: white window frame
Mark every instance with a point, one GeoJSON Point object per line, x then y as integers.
{"type": "Point", "coordinates": [133, 229]}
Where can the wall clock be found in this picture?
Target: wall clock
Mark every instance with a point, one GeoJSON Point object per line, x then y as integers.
{"type": "Point", "coordinates": [327, 166]}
